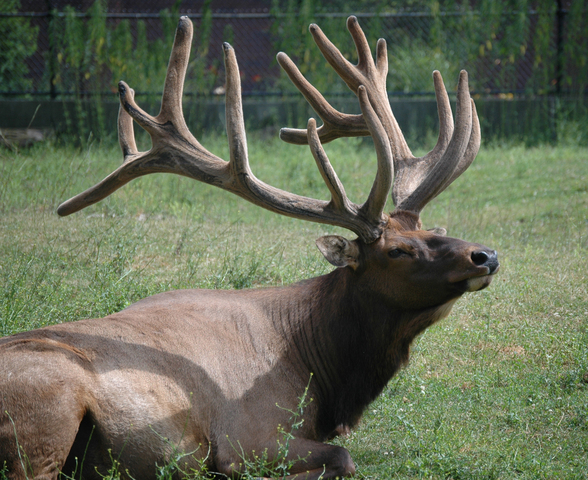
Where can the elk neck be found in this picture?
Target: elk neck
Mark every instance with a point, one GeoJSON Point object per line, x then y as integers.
{"type": "Point", "coordinates": [351, 342]}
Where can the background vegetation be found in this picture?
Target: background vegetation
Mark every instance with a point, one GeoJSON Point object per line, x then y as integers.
{"type": "Point", "coordinates": [497, 390]}
{"type": "Point", "coordinates": [507, 45]}
{"type": "Point", "coordinates": [517, 46]}
{"type": "Point", "coordinates": [18, 42]}
{"type": "Point", "coordinates": [512, 49]}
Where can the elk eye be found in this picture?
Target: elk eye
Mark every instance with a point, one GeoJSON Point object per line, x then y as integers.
{"type": "Point", "coordinates": [395, 253]}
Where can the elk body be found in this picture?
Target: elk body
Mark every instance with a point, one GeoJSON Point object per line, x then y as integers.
{"type": "Point", "coordinates": [201, 371]}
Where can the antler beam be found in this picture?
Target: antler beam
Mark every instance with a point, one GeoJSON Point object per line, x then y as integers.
{"type": "Point", "coordinates": [175, 150]}
{"type": "Point", "coordinates": [417, 180]}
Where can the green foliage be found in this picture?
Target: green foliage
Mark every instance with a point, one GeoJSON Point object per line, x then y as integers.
{"type": "Point", "coordinates": [576, 45]}
{"type": "Point", "coordinates": [89, 54]}
{"type": "Point", "coordinates": [411, 66]}
{"type": "Point", "coordinates": [497, 390]}
{"type": "Point", "coordinates": [174, 467]}
{"type": "Point", "coordinates": [290, 33]}
{"type": "Point", "coordinates": [417, 45]}
{"type": "Point", "coordinates": [542, 44]}
{"type": "Point", "coordinates": [490, 39]}
{"type": "Point", "coordinates": [19, 41]}
{"type": "Point", "coordinates": [92, 53]}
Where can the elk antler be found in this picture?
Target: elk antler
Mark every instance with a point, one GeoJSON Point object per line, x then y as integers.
{"type": "Point", "coordinates": [417, 180]}
{"type": "Point", "coordinates": [175, 150]}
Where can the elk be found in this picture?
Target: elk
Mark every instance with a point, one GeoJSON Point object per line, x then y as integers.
{"type": "Point", "coordinates": [204, 369]}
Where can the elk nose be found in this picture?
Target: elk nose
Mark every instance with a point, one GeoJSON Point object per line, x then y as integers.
{"type": "Point", "coordinates": [483, 258]}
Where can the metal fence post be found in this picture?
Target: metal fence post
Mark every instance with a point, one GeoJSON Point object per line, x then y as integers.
{"type": "Point", "coordinates": [560, 16]}
{"type": "Point", "coordinates": [51, 54]}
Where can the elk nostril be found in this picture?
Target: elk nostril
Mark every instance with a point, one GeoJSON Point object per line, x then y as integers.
{"type": "Point", "coordinates": [480, 257]}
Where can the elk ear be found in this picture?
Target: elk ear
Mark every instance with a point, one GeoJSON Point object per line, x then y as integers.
{"type": "Point", "coordinates": [438, 231]}
{"type": "Point", "coordinates": [339, 251]}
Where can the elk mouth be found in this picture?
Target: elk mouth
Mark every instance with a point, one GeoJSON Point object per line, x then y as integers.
{"type": "Point", "coordinates": [487, 265]}
{"type": "Point", "coordinates": [478, 282]}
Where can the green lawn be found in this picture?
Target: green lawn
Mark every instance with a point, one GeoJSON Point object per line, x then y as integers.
{"type": "Point", "coordinates": [497, 390]}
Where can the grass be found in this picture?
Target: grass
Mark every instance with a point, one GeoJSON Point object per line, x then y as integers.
{"type": "Point", "coordinates": [497, 390]}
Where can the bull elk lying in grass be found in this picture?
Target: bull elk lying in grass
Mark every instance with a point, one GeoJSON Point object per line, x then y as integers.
{"type": "Point", "coordinates": [205, 369]}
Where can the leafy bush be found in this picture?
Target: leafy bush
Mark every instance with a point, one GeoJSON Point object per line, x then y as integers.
{"type": "Point", "coordinates": [19, 41]}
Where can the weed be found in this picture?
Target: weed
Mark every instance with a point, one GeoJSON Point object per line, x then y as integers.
{"type": "Point", "coordinates": [460, 409]}
{"type": "Point", "coordinates": [262, 464]}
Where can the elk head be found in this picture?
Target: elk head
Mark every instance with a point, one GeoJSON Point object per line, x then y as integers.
{"type": "Point", "coordinates": [391, 248]}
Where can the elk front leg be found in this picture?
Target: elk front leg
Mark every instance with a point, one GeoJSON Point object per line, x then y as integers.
{"type": "Point", "coordinates": [313, 460]}
{"type": "Point", "coordinates": [319, 460]}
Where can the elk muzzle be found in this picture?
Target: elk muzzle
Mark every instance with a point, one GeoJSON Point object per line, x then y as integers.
{"type": "Point", "coordinates": [488, 261]}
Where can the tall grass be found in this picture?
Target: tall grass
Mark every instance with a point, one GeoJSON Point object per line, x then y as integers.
{"type": "Point", "coordinates": [497, 390]}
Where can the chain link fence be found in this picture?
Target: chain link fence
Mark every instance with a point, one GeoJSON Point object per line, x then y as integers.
{"type": "Point", "coordinates": [52, 50]}
{"type": "Point", "coordinates": [61, 61]}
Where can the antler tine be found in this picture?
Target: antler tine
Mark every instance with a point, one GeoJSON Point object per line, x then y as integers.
{"type": "Point", "coordinates": [471, 150]}
{"type": "Point", "coordinates": [410, 171]}
{"type": "Point", "coordinates": [234, 115]}
{"type": "Point", "coordinates": [338, 196]}
{"type": "Point", "coordinates": [126, 132]}
{"type": "Point", "coordinates": [418, 180]}
{"type": "Point", "coordinates": [382, 58]}
{"type": "Point", "coordinates": [171, 100]}
{"type": "Point", "coordinates": [366, 72]}
{"type": "Point", "coordinates": [335, 123]}
{"type": "Point", "coordinates": [444, 114]}
{"type": "Point", "coordinates": [352, 75]}
{"type": "Point", "coordinates": [137, 163]}
{"type": "Point", "coordinates": [439, 171]}
{"type": "Point", "coordinates": [374, 205]}
{"type": "Point", "coordinates": [126, 96]}
{"type": "Point", "coordinates": [173, 89]}
{"type": "Point", "coordinates": [372, 210]}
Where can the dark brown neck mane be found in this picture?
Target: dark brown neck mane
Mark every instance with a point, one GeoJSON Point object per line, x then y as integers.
{"type": "Point", "coordinates": [351, 343]}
